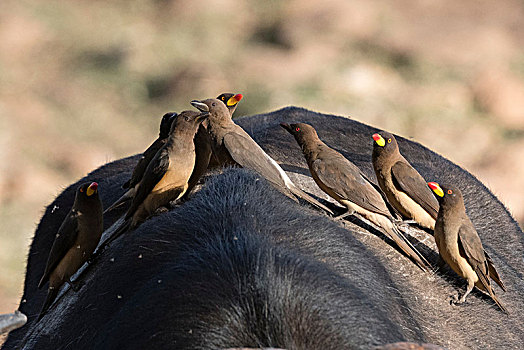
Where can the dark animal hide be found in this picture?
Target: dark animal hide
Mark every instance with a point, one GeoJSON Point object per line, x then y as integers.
{"type": "Point", "coordinates": [240, 265]}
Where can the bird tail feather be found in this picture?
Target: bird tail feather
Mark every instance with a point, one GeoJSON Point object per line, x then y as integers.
{"type": "Point", "coordinates": [125, 197]}
{"type": "Point", "coordinates": [52, 292]}
{"type": "Point", "coordinates": [497, 301]}
{"type": "Point", "coordinates": [398, 237]}
{"type": "Point", "coordinates": [303, 195]}
{"type": "Point", "coordinates": [493, 272]}
{"type": "Point", "coordinates": [124, 227]}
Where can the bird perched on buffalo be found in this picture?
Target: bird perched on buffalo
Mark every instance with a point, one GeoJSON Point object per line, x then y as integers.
{"type": "Point", "coordinates": [205, 159]}
{"type": "Point", "coordinates": [233, 146]}
{"type": "Point", "coordinates": [459, 244]}
{"type": "Point", "coordinates": [405, 189]}
{"type": "Point", "coordinates": [74, 242]}
{"type": "Point", "coordinates": [166, 177]}
{"type": "Point", "coordinates": [143, 162]}
{"type": "Point", "coordinates": [344, 182]}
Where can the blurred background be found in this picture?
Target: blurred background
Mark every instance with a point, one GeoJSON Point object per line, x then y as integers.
{"type": "Point", "coordinates": [85, 82]}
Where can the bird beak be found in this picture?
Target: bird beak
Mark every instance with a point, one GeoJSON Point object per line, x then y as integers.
{"type": "Point", "coordinates": [379, 140]}
{"type": "Point", "coordinates": [91, 189]}
{"type": "Point", "coordinates": [202, 116]}
{"type": "Point", "coordinates": [233, 100]}
{"type": "Point", "coordinates": [202, 107]}
{"type": "Point", "coordinates": [287, 127]}
{"type": "Point", "coordinates": [436, 188]}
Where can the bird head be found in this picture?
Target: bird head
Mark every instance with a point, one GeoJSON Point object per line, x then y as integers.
{"type": "Point", "coordinates": [384, 142]}
{"type": "Point", "coordinates": [87, 198]}
{"type": "Point", "coordinates": [215, 108]}
{"type": "Point", "coordinates": [446, 195]}
{"type": "Point", "coordinates": [301, 131]}
{"type": "Point", "coordinates": [188, 120]}
{"type": "Point", "coordinates": [165, 124]}
{"type": "Point", "coordinates": [88, 189]}
{"type": "Point", "coordinates": [230, 100]}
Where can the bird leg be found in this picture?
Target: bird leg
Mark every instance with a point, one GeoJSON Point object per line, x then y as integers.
{"type": "Point", "coordinates": [343, 215]}
{"type": "Point", "coordinates": [404, 224]}
{"type": "Point", "coordinates": [174, 203]}
{"type": "Point", "coordinates": [468, 290]}
{"type": "Point", "coordinates": [75, 285]}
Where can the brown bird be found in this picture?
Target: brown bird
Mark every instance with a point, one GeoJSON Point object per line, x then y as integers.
{"type": "Point", "coordinates": [167, 175]}
{"type": "Point", "coordinates": [405, 189]}
{"type": "Point", "coordinates": [233, 146]}
{"type": "Point", "coordinates": [459, 244]}
{"type": "Point", "coordinates": [143, 162]}
{"type": "Point", "coordinates": [344, 182]}
{"type": "Point", "coordinates": [74, 243]}
{"type": "Point", "coordinates": [205, 159]}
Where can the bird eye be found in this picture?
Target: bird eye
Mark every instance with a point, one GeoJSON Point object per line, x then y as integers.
{"type": "Point", "coordinates": [186, 118]}
{"type": "Point", "coordinates": [450, 191]}
{"type": "Point", "coordinates": [81, 190]}
{"type": "Point", "coordinates": [213, 104]}
{"type": "Point", "coordinates": [297, 129]}
{"type": "Point", "coordinates": [389, 140]}
{"type": "Point", "coordinates": [223, 98]}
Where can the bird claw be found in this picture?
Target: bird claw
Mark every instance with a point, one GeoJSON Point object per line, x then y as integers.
{"type": "Point", "coordinates": [456, 300]}
{"type": "Point", "coordinates": [405, 223]}
{"type": "Point", "coordinates": [344, 215]}
{"type": "Point", "coordinates": [161, 210]}
{"type": "Point", "coordinates": [174, 204]}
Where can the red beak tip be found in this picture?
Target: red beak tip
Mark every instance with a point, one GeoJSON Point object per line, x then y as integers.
{"type": "Point", "coordinates": [238, 97]}
{"type": "Point", "coordinates": [93, 186]}
{"type": "Point", "coordinates": [376, 137]}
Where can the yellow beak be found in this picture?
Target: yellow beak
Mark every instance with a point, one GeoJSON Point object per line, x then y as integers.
{"type": "Point", "coordinates": [233, 100]}
{"type": "Point", "coordinates": [436, 188]}
{"type": "Point", "coordinates": [91, 189]}
{"type": "Point", "coordinates": [379, 140]}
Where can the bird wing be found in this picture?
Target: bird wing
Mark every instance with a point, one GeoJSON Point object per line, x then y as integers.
{"type": "Point", "coordinates": [471, 248]}
{"type": "Point", "coordinates": [493, 273]}
{"type": "Point", "coordinates": [346, 181]}
{"type": "Point", "coordinates": [248, 154]}
{"type": "Point", "coordinates": [144, 161]}
{"type": "Point", "coordinates": [154, 172]}
{"type": "Point", "coordinates": [414, 185]}
{"type": "Point", "coordinates": [64, 240]}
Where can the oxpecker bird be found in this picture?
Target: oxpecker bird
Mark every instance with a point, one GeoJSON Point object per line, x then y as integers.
{"type": "Point", "coordinates": [143, 162]}
{"type": "Point", "coordinates": [459, 244]}
{"type": "Point", "coordinates": [205, 159]}
{"type": "Point", "coordinates": [167, 175]}
{"type": "Point", "coordinates": [405, 189]}
{"type": "Point", "coordinates": [233, 146]}
{"type": "Point", "coordinates": [343, 181]}
{"type": "Point", "coordinates": [74, 242]}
